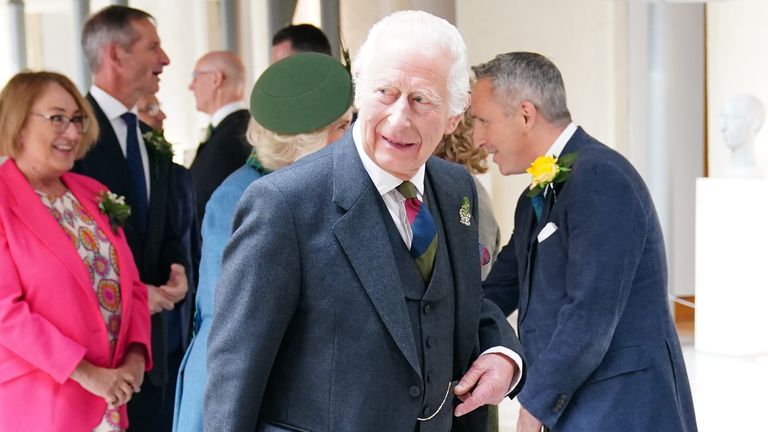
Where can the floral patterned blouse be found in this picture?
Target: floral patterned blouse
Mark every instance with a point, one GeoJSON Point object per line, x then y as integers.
{"type": "Point", "coordinates": [100, 258]}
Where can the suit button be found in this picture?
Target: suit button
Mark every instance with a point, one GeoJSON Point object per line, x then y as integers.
{"type": "Point", "coordinates": [430, 342]}
{"type": "Point", "coordinates": [429, 378]}
{"type": "Point", "coordinates": [425, 411]}
{"type": "Point", "coordinates": [414, 391]}
{"type": "Point", "coordinates": [427, 309]}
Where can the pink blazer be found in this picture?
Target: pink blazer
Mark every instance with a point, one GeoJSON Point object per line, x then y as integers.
{"type": "Point", "coordinates": [49, 314]}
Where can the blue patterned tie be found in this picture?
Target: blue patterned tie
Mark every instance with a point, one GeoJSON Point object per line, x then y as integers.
{"type": "Point", "coordinates": [424, 243]}
{"type": "Point", "coordinates": [135, 165]}
{"type": "Point", "coordinates": [538, 205]}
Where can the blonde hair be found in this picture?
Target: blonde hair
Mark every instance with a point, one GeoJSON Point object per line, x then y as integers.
{"type": "Point", "coordinates": [276, 151]}
{"type": "Point", "coordinates": [16, 101]}
{"type": "Point", "coordinates": [457, 147]}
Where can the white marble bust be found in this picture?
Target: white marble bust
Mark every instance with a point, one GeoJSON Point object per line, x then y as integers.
{"type": "Point", "coordinates": [740, 120]}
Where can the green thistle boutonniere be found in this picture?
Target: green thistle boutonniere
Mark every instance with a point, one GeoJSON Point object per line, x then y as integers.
{"type": "Point", "coordinates": [465, 212]}
{"type": "Point", "coordinates": [547, 170]}
{"type": "Point", "coordinates": [115, 208]}
{"type": "Point", "coordinates": [156, 139]}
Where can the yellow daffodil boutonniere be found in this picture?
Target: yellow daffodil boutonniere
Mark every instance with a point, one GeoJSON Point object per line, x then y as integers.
{"type": "Point", "coordinates": [547, 170]}
{"type": "Point", "coordinates": [157, 140]}
{"type": "Point", "coordinates": [115, 208]}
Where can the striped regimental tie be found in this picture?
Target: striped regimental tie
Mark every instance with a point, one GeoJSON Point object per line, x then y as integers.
{"type": "Point", "coordinates": [424, 244]}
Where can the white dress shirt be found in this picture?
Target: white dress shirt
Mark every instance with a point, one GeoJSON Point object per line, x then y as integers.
{"type": "Point", "coordinates": [557, 147]}
{"type": "Point", "coordinates": [386, 184]}
{"type": "Point", "coordinates": [113, 109]}
{"type": "Point", "coordinates": [220, 114]}
{"type": "Point", "coordinates": [559, 144]}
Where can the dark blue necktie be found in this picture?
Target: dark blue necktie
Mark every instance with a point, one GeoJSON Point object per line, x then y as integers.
{"type": "Point", "coordinates": [538, 205]}
{"type": "Point", "coordinates": [132, 154]}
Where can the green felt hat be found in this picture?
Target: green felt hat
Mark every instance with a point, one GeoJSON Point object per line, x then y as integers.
{"type": "Point", "coordinates": [301, 93]}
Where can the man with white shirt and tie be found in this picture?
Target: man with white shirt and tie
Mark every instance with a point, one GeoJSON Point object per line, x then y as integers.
{"type": "Point", "coordinates": [585, 266]}
{"type": "Point", "coordinates": [218, 83]}
{"type": "Point", "coordinates": [349, 297]}
{"type": "Point", "coordinates": [126, 59]}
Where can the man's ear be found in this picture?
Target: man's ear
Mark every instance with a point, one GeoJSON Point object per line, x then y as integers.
{"type": "Point", "coordinates": [452, 123]}
{"type": "Point", "coordinates": [529, 114]}
{"type": "Point", "coordinates": [114, 54]}
{"type": "Point", "coordinates": [218, 79]}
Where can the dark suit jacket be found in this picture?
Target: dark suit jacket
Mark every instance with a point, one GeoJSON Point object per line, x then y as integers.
{"type": "Point", "coordinates": [185, 204]}
{"type": "Point", "coordinates": [225, 151]}
{"type": "Point", "coordinates": [310, 328]}
{"type": "Point", "coordinates": [592, 300]}
{"type": "Point", "coordinates": [159, 246]}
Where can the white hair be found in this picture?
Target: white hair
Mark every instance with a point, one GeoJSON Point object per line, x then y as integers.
{"type": "Point", "coordinates": [430, 34]}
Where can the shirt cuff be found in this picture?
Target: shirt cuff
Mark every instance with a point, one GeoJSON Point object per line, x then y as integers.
{"type": "Point", "coordinates": [515, 357]}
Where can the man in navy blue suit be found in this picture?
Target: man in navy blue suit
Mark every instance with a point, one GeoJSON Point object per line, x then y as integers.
{"type": "Point", "coordinates": [585, 267]}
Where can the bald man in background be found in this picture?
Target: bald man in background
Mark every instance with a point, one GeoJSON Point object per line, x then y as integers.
{"type": "Point", "coordinates": [218, 83]}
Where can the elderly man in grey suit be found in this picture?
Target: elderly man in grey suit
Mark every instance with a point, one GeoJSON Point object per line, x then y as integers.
{"type": "Point", "coordinates": [349, 297]}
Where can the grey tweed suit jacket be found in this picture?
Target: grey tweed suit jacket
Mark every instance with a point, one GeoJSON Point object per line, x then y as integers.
{"type": "Point", "coordinates": [311, 330]}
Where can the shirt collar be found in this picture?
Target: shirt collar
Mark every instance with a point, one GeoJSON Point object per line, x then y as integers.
{"type": "Point", "coordinates": [562, 140]}
{"type": "Point", "coordinates": [384, 181]}
{"type": "Point", "coordinates": [112, 107]}
{"type": "Point", "coordinates": [220, 114]}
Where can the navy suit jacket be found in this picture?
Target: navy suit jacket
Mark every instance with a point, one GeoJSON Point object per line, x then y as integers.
{"type": "Point", "coordinates": [592, 300]}
{"type": "Point", "coordinates": [311, 329]}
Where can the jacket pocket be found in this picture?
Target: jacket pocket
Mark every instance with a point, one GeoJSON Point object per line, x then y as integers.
{"type": "Point", "coordinates": [620, 361]}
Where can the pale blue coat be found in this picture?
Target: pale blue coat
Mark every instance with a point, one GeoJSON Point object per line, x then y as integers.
{"type": "Point", "coordinates": [216, 230]}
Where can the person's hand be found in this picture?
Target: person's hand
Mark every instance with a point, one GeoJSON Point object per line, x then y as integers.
{"type": "Point", "coordinates": [158, 302]}
{"type": "Point", "coordinates": [108, 384]}
{"type": "Point", "coordinates": [526, 422]}
{"type": "Point", "coordinates": [133, 366]}
{"type": "Point", "coordinates": [176, 288]}
{"type": "Point", "coordinates": [486, 382]}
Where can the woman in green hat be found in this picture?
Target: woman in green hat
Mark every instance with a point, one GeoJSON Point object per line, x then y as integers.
{"type": "Point", "coordinates": [298, 105]}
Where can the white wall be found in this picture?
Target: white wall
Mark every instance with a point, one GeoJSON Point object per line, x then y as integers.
{"type": "Point", "coordinates": [737, 62]}
{"type": "Point", "coordinates": [5, 45]}
{"type": "Point", "coordinates": [585, 39]}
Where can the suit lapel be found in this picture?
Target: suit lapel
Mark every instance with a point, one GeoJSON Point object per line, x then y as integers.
{"type": "Point", "coordinates": [108, 148]}
{"type": "Point", "coordinates": [462, 244]}
{"type": "Point", "coordinates": [32, 212]}
{"type": "Point", "coordinates": [527, 228]}
{"type": "Point", "coordinates": [574, 144]}
{"type": "Point", "coordinates": [106, 162]}
{"type": "Point", "coordinates": [359, 229]}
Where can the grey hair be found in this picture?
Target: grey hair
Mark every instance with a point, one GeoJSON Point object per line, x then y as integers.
{"type": "Point", "coordinates": [526, 76]}
{"type": "Point", "coordinates": [110, 25]}
{"type": "Point", "coordinates": [431, 34]}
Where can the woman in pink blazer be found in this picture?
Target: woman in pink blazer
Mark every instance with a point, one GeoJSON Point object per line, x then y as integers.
{"type": "Point", "coordinates": [74, 319]}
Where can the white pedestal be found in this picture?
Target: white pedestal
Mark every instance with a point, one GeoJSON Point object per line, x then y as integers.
{"type": "Point", "coordinates": [732, 266]}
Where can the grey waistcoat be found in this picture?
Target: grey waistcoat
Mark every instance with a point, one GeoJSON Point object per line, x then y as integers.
{"type": "Point", "coordinates": [431, 309]}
